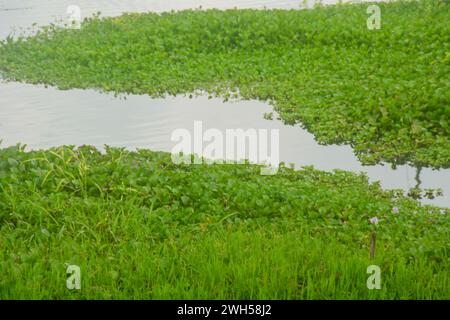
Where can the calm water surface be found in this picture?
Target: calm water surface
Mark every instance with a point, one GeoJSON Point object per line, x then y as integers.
{"type": "Point", "coordinates": [44, 117]}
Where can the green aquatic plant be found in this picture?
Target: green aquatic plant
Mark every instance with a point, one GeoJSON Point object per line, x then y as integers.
{"type": "Point", "coordinates": [385, 92]}
{"type": "Point", "coordinates": [141, 227]}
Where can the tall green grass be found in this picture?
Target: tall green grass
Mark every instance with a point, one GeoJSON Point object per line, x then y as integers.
{"type": "Point", "coordinates": [141, 227]}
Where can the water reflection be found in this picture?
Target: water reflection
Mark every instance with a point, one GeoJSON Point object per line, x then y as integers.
{"type": "Point", "coordinates": [47, 117]}
{"type": "Point", "coordinates": [42, 118]}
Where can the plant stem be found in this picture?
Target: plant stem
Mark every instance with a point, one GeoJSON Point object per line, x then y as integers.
{"type": "Point", "coordinates": [373, 239]}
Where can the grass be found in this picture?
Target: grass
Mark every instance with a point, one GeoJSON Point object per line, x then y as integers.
{"type": "Point", "coordinates": [141, 227]}
{"type": "Point", "coordinates": [385, 92]}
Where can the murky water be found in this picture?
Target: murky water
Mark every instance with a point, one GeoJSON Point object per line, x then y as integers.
{"type": "Point", "coordinates": [43, 117]}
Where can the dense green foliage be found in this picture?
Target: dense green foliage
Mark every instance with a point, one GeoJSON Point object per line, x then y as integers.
{"type": "Point", "coordinates": [384, 91]}
{"type": "Point", "coordinates": [141, 227]}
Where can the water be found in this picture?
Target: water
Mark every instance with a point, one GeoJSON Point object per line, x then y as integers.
{"type": "Point", "coordinates": [44, 117]}
{"type": "Point", "coordinates": [16, 15]}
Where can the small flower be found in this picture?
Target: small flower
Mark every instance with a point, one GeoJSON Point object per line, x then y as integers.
{"type": "Point", "coordinates": [395, 210]}
{"type": "Point", "coordinates": [374, 220]}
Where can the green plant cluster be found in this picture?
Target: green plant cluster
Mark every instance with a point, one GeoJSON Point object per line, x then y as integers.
{"type": "Point", "coordinates": [385, 92]}
{"type": "Point", "coordinates": [141, 227]}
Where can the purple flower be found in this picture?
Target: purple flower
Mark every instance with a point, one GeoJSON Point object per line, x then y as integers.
{"type": "Point", "coordinates": [374, 220]}
{"type": "Point", "coordinates": [395, 210]}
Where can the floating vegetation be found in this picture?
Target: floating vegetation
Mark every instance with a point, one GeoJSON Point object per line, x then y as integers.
{"type": "Point", "coordinates": [385, 92]}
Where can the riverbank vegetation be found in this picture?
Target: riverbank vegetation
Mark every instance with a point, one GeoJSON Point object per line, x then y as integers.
{"type": "Point", "coordinates": [140, 226]}
{"type": "Point", "coordinates": [383, 91]}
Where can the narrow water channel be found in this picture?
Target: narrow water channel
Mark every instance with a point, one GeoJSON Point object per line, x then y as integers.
{"type": "Point", "coordinates": [44, 117]}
